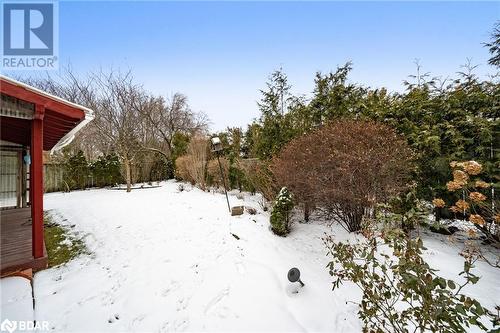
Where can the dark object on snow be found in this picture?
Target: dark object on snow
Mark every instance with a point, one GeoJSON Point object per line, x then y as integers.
{"type": "Point", "coordinates": [444, 230]}
{"type": "Point", "coordinates": [235, 236]}
{"type": "Point", "coordinates": [237, 210]}
{"type": "Point", "coordinates": [251, 210]}
{"type": "Point", "coordinates": [294, 276]}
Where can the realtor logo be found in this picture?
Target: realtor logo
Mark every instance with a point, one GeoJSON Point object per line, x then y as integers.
{"type": "Point", "coordinates": [29, 36]}
{"type": "Point", "coordinates": [9, 326]}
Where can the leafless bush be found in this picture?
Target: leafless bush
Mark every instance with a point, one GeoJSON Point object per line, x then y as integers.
{"type": "Point", "coordinates": [181, 169]}
{"type": "Point", "coordinates": [197, 155]}
{"type": "Point", "coordinates": [260, 177]}
{"type": "Point", "coordinates": [213, 172]}
{"type": "Point", "coordinates": [345, 168]}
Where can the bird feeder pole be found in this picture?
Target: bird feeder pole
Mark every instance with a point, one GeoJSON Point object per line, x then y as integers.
{"type": "Point", "coordinates": [217, 149]}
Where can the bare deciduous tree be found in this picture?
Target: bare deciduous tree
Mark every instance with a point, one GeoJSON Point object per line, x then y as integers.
{"type": "Point", "coordinates": [172, 116]}
{"type": "Point", "coordinates": [119, 103]}
{"type": "Point", "coordinates": [129, 121]}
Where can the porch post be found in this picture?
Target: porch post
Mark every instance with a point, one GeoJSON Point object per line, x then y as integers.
{"type": "Point", "coordinates": [36, 180]}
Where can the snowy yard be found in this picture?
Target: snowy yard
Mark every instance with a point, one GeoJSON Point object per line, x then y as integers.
{"type": "Point", "coordinates": [164, 260]}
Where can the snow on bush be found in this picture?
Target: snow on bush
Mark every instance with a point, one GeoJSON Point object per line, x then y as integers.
{"type": "Point", "coordinates": [280, 216]}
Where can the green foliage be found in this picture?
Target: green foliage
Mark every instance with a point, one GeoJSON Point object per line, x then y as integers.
{"type": "Point", "coordinates": [61, 245]}
{"type": "Point", "coordinates": [404, 212]}
{"type": "Point", "coordinates": [237, 179]}
{"type": "Point", "coordinates": [494, 46]}
{"type": "Point", "coordinates": [273, 130]}
{"type": "Point", "coordinates": [441, 120]}
{"type": "Point", "coordinates": [275, 98]}
{"type": "Point", "coordinates": [401, 292]}
{"type": "Point", "coordinates": [280, 216]}
{"type": "Point", "coordinates": [161, 169]}
{"type": "Point", "coordinates": [251, 137]}
{"type": "Point", "coordinates": [76, 171]}
{"type": "Point", "coordinates": [106, 170]}
{"type": "Point", "coordinates": [180, 145]}
{"type": "Point", "coordinates": [232, 140]}
{"type": "Point", "coordinates": [334, 97]}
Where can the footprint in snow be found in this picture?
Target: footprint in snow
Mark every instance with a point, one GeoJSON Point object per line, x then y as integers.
{"type": "Point", "coordinates": [165, 292]}
{"type": "Point", "coordinates": [139, 319]}
{"type": "Point", "coordinates": [181, 324]}
{"type": "Point", "coordinates": [114, 318]}
{"type": "Point", "coordinates": [165, 327]}
{"type": "Point", "coordinates": [213, 304]}
{"type": "Point", "coordinates": [182, 304]}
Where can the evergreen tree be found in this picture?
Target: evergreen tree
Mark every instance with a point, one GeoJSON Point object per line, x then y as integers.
{"type": "Point", "coordinates": [280, 216]}
{"type": "Point", "coordinates": [180, 145]}
{"type": "Point", "coordinates": [106, 170]}
{"type": "Point", "coordinates": [334, 97]}
{"type": "Point", "coordinates": [494, 46]}
{"type": "Point", "coordinates": [442, 120]}
{"type": "Point", "coordinates": [76, 171]}
{"type": "Point", "coordinates": [273, 105]}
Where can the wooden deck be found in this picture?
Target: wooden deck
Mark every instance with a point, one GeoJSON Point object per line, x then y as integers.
{"type": "Point", "coordinates": [16, 252]}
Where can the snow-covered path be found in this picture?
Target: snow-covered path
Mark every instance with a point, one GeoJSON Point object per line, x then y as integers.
{"type": "Point", "coordinates": [164, 260]}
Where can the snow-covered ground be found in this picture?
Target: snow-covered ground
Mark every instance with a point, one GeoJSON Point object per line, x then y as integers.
{"type": "Point", "coordinates": [164, 260]}
{"type": "Point", "coordinates": [17, 299]}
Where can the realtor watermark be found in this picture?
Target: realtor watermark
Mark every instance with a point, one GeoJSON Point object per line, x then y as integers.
{"type": "Point", "coordinates": [30, 35]}
{"type": "Point", "coordinates": [12, 326]}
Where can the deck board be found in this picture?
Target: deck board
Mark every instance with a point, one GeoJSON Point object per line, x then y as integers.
{"type": "Point", "coordinates": [15, 240]}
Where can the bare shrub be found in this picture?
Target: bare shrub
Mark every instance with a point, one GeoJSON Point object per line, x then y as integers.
{"type": "Point", "coordinates": [181, 169]}
{"type": "Point", "coordinates": [345, 169]}
{"type": "Point", "coordinates": [213, 172]}
{"type": "Point", "coordinates": [260, 177]}
{"type": "Point", "coordinates": [197, 155]}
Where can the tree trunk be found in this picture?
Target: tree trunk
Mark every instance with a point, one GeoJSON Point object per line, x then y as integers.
{"type": "Point", "coordinates": [127, 174]}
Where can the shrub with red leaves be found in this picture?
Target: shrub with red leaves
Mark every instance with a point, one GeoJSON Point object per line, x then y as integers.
{"type": "Point", "coordinates": [345, 168]}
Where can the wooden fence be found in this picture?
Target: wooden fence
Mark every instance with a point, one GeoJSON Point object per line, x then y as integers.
{"type": "Point", "coordinates": [53, 178]}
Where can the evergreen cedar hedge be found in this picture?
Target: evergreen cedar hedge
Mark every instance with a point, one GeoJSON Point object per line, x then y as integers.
{"type": "Point", "coordinates": [454, 120]}
{"type": "Point", "coordinates": [106, 171]}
